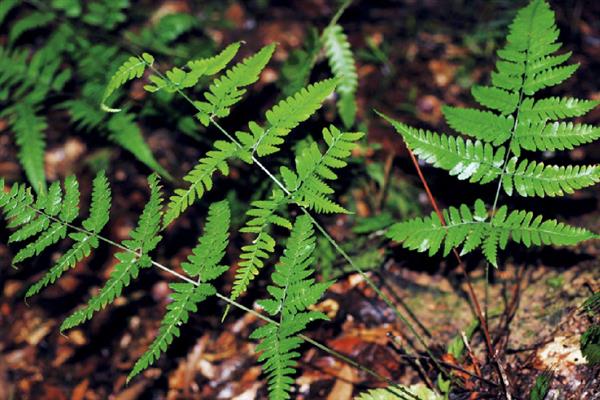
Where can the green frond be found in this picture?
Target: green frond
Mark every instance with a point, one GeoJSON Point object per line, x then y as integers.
{"type": "Point", "coordinates": [472, 226]}
{"type": "Point", "coordinates": [227, 90]}
{"type": "Point", "coordinates": [131, 69]}
{"type": "Point", "coordinates": [308, 185]}
{"type": "Point", "coordinates": [200, 179]}
{"type": "Point", "coordinates": [82, 248]}
{"type": "Point", "coordinates": [552, 136]}
{"type": "Point", "coordinates": [144, 239]}
{"type": "Point", "coordinates": [6, 7]}
{"type": "Point", "coordinates": [186, 298]}
{"type": "Point", "coordinates": [34, 20]}
{"type": "Point", "coordinates": [284, 117]}
{"type": "Point", "coordinates": [549, 77]}
{"type": "Point", "coordinates": [293, 292]}
{"type": "Point", "coordinates": [263, 215]}
{"type": "Point", "coordinates": [495, 98]}
{"type": "Point", "coordinates": [477, 161]}
{"type": "Point", "coordinates": [100, 205]}
{"type": "Point", "coordinates": [590, 345]}
{"type": "Point", "coordinates": [205, 257]}
{"type": "Point", "coordinates": [178, 79]}
{"type": "Point", "coordinates": [341, 62]}
{"type": "Point", "coordinates": [531, 178]}
{"type": "Point", "coordinates": [126, 133]}
{"type": "Point", "coordinates": [555, 108]}
{"type": "Point", "coordinates": [483, 125]}
{"type": "Point", "coordinates": [29, 135]}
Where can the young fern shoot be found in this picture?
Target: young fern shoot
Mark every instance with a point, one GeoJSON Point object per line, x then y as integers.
{"type": "Point", "coordinates": [515, 120]}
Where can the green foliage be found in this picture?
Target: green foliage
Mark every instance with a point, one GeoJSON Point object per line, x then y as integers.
{"type": "Point", "coordinates": [205, 257]}
{"type": "Point", "coordinates": [295, 72]}
{"type": "Point", "coordinates": [263, 214]}
{"type": "Point", "coordinates": [187, 296]}
{"type": "Point", "coordinates": [85, 241]}
{"type": "Point", "coordinates": [292, 293]}
{"type": "Point", "coordinates": [541, 387]}
{"type": "Point", "coordinates": [285, 116]}
{"type": "Point", "coordinates": [144, 238]}
{"type": "Point", "coordinates": [475, 228]}
{"type": "Point", "coordinates": [35, 20]}
{"type": "Point", "coordinates": [230, 87]}
{"type": "Point", "coordinates": [133, 68]}
{"type": "Point", "coordinates": [200, 178]}
{"type": "Point", "coordinates": [590, 344]}
{"type": "Point", "coordinates": [313, 168]}
{"type": "Point", "coordinates": [343, 66]}
{"type": "Point", "coordinates": [177, 79]}
{"type": "Point", "coordinates": [29, 135]}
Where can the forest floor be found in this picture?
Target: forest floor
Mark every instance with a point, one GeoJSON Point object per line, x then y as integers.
{"type": "Point", "coordinates": [427, 58]}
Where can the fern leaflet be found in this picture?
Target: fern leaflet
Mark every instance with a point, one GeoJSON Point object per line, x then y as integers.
{"type": "Point", "coordinates": [292, 294]}
{"type": "Point", "coordinates": [284, 117]}
{"type": "Point", "coordinates": [187, 296]}
{"type": "Point", "coordinates": [144, 238]}
{"type": "Point", "coordinates": [227, 90]}
{"type": "Point", "coordinates": [473, 228]}
{"type": "Point", "coordinates": [200, 178]}
{"type": "Point", "coordinates": [133, 68]}
{"type": "Point", "coordinates": [343, 66]}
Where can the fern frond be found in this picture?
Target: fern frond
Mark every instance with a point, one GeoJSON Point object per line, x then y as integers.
{"type": "Point", "coordinates": [341, 62]}
{"type": "Point", "coordinates": [227, 90]}
{"type": "Point", "coordinates": [35, 20]}
{"type": "Point", "coordinates": [131, 69]}
{"type": "Point", "coordinates": [476, 161]}
{"type": "Point", "coordinates": [84, 241]}
{"type": "Point", "coordinates": [549, 77]}
{"type": "Point", "coordinates": [144, 239]}
{"type": "Point", "coordinates": [126, 133]}
{"type": "Point", "coordinates": [474, 228]}
{"type": "Point", "coordinates": [205, 257]}
{"type": "Point", "coordinates": [200, 178]}
{"type": "Point", "coordinates": [263, 215]}
{"type": "Point", "coordinates": [6, 7]}
{"type": "Point", "coordinates": [186, 298]}
{"type": "Point", "coordinates": [292, 293]}
{"type": "Point", "coordinates": [531, 178]}
{"type": "Point", "coordinates": [495, 98]}
{"type": "Point", "coordinates": [555, 108]}
{"type": "Point", "coordinates": [177, 78]}
{"type": "Point", "coordinates": [308, 185]}
{"type": "Point", "coordinates": [552, 136]}
{"type": "Point", "coordinates": [46, 218]}
{"type": "Point", "coordinates": [29, 135]}
{"type": "Point", "coordinates": [483, 125]}
{"type": "Point", "coordinates": [284, 117]}
{"type": "Point", "coordinates": [400, 392]}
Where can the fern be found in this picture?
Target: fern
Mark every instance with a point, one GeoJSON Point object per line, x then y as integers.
{"type": "Point", "coordinates": [205, 258]}
{"type": "Point", "coordinates": [474, 228]}
{"type": "Point", "coordinates": [263, 215]}
{"type": "Point", "coordinates": [29, 134]}
{"type": "Point", "coordinates": [177, 79]}
{"type": "Point", "coordinates": [125, 132]}
{"type": "Point", "coordinates": [144, 239]}
{"type": "Point", "coordinates": [343, 66]}
{"type": "Point", "coordinates": [35, 20]}
{"type": "Point", "coordinates": [133, 68]}
{"type": "Point", "coordinates": [187, 296]}
{"type": "Point", "coordinates": [284, 117]}
{"type": "Point", "coordinates": [84, 241]}
{"type": "Point", "coordinates": [313, 168]}
{"type": "Point", "coordinates": [292, 293]}
{"type": "Point", "coordinates": [200, 178]}
{"type": "Point", "coordinates": [229, 88]}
